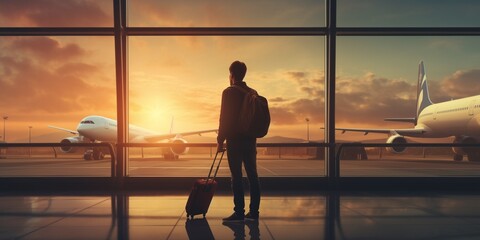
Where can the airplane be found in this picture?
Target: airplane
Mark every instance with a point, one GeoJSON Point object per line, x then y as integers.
{"type": "Point", "coordinates": [102, 129]}
{"type": "Point", "coordinates": [458, 118]}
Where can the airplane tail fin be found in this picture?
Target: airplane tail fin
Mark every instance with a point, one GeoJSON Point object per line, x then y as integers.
{"type": "Point", "coordinates": [423, 98]}
{"type": "Point", "coordinates": [171, 126]}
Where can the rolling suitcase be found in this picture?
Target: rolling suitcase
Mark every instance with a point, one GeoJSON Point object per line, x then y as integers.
{"type": "Point", "coordinates": [202, 192]}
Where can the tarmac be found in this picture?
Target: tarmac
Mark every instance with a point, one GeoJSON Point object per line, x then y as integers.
{"type": "Point", "coordinates": [198, 165]}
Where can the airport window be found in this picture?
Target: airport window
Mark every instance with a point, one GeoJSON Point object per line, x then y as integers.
{"type": "Point", "coordinates": [73, 59]}
{"type": "Point", "coordinates": [64, 13]}
{"type": "Point", "coordinates": [181, 79]}
{"type": "Point", "coordinates": [48, 85]}
{"type": "Point", "coordinates": [410, 13]}
{"type": "Point", "coordinates": [211, 13]}
{"type": "Point", "coordinates": [377, 89]}
{"type": "Point", "coordinates": [99, 100]}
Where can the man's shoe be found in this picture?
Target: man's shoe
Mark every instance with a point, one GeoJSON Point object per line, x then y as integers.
{"type": "Point", "coordinates": [235, 217]}
{"type": "Point", "coordinates": [251, 216]}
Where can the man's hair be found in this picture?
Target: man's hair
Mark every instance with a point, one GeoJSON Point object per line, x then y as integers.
{"type": "Point", "coordinates": [238, 70]}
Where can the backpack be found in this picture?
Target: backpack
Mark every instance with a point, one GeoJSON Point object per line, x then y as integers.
{"type": "Point", "coordinates": [254, 118]}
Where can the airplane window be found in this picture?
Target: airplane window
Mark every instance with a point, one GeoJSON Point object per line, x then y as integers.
{"type": "Point", "coordinates": [87, 122]}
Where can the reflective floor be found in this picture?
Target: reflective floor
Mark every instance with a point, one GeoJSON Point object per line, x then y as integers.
{"type": "Point", "coordinates": [288, 215]}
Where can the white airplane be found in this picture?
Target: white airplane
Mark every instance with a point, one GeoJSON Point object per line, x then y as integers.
{"type": "Point", "coordinates": [456, 118]}
{"type": "Point", "coordinates": [102, 129]}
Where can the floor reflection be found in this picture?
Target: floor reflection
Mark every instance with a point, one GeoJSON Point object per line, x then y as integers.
{"type": "Point", "coordinates": [283, 216]}
{"type": "Point", "coordinates": [238, 229]}
{"type": "Point", "coordinates": [198, 229]}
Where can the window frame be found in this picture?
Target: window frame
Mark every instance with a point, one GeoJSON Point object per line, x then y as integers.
{"type": "Point", "coordinates": [120, 31]}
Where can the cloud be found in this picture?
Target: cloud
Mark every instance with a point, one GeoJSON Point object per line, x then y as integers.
{"type": "Point", "coordinates": [305, 77]}
{"type": "Point", "coordinates": [299, 77]}
{"type": "Point", "coordinates": [312, 91]}
{"type": "Point", "coordinates": [54, 13]}
{"type": "Point", "coordinates": [277, 99]}
{"type": "Point", "coordinates": [282, 116]}
{"type": "Point", "coordinates": [370, 108]}
{"type": "Point", "coordinates": [309, 82]}
{"type": "Point", "coordinates": [78, 69]}
{"type": "Point", "coordinates": [443, 44]}
{"type": "Point", "coordinates": [47, 49]}
{"type": "Point", "coordinates": [370, 99]}
{"type": "Point", "coordinates": [33, 80]}
{"type": "Point", "coordinates": [359, 100]}
{"type": "Point", "coordinates": [462, 83]}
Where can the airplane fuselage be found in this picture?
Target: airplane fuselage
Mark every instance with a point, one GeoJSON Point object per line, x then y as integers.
{"type": "Point", "coordinates": [102, 129]}
{"type": "Point", "coordinates": [459, 117]}
{"type": "Point", "coordinates": [105, 130]}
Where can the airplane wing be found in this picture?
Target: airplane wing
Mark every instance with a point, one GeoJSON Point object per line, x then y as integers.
{"type": "Point", "coordinates": [409, 120]}
{"type": "Point", "coordinates": [159, 137]}
{"type": "Point", "coordinates": [412, 132]}
{"type": "Point", "coordinates": [64, 129]}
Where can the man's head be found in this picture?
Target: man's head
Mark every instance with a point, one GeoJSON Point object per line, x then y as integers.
{"type": "Point", "coordinates": [237, 71]}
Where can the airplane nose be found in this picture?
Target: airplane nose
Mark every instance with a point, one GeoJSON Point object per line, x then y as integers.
{"type": "Point", "coordinates": [86, 130]}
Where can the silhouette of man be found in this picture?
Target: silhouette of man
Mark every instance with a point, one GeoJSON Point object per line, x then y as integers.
{"type": "Point", "coordinates": [240, 148]}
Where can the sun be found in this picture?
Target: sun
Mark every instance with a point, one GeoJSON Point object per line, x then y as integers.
{"type": "Point", "coordinates": [153, 114]}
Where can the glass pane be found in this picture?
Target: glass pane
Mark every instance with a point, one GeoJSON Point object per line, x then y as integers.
{"type": "Point", "coordinates": [181, 79]}
{"type": "Point", "coordinates": [408, 13]}
{"type": "Point", "coordinates": [401, 215]}
{"type": "Point", "coordinates": [408, 162]}
{"type": "Point", "coordinates": [57, 215]}
{"type": "Point", "coordinates": [52, 162]}
{"type": "Point", "coordinates": [56, 13]}
{"type": "Point", "coordinates": [377, 79]}
{"type": "Point", "coordinates": [54, 81]}
{"type": "Point", "coordinates": [211, 13]}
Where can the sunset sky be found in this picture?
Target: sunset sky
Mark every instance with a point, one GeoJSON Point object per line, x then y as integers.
{"type": "Point", "coordinates": [59, 80]}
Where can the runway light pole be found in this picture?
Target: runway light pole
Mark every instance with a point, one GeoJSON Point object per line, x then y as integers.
{"type": "Point", "coordinates": [29, 140]}
{"type": "Point", "coordinates": [4, 136]}
{"type": "Point", "coordinates": [308, 129]}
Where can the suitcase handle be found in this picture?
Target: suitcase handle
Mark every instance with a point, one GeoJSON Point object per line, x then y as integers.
{"type": "Point", "coordinates": [213, 164]}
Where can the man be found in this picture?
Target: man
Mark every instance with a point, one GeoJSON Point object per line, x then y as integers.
{"type": "Point", "coordinates": [240, 148]}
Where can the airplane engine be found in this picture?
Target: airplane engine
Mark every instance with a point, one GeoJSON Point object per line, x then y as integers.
{"type": "Point", "coordinates": [180, 149]}
{"type": "Point", "coordinates": [396, 139]}
{"type": "Point", "coordinates": [68, 149]}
